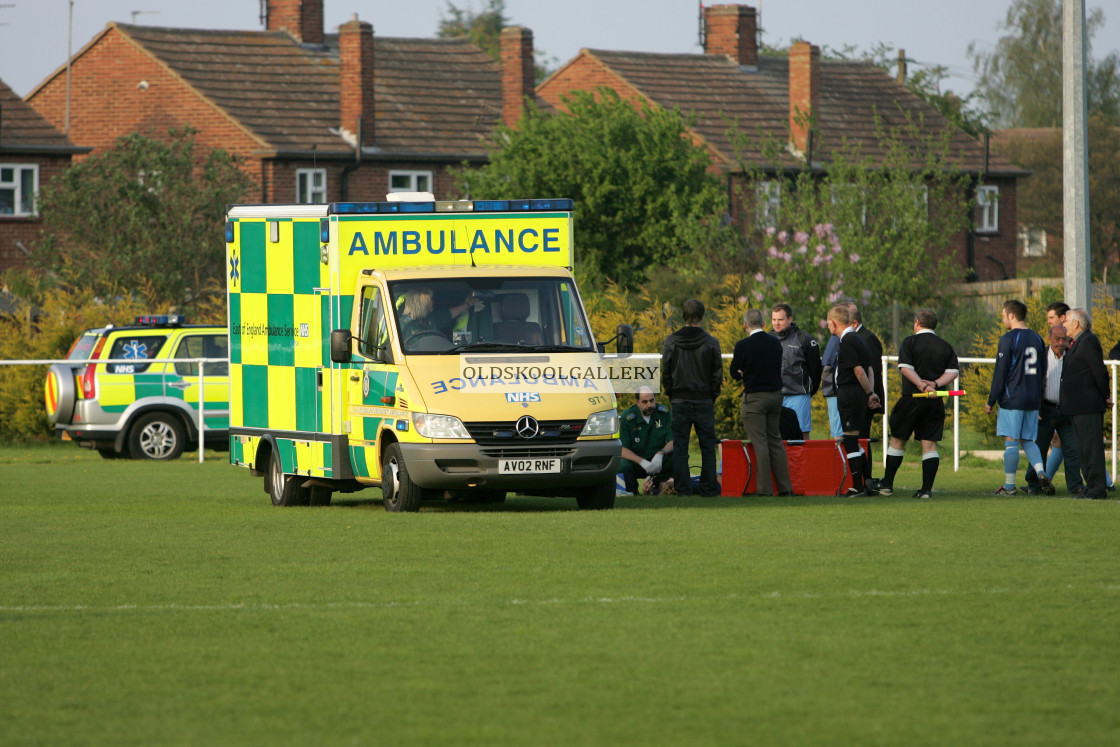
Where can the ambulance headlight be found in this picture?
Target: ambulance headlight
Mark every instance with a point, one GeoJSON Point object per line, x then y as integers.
{"type": "Point", "coordinates": [439, 426]}
{"type": "Point", "coordinates": [603, 423]}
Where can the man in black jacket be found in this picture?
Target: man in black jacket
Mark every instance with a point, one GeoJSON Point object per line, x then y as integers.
{"type": "Point", "coordinates": [801, 365]}
{"type": "Point", "coordinates": [1084, 396]}
{"type": "Point", "coordinates": [757, 362]}
{"type": "Point", "coordinates": [691, 377]}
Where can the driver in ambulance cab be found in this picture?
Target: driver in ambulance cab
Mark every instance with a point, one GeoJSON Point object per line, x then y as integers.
{"type": "Point", "coordinates": [417, 315]}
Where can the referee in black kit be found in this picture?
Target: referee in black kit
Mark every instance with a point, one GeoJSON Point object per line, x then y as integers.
{"type": "Point", "coordinates": [927, 363]}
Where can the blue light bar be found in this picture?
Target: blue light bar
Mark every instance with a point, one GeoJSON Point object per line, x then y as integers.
{"type": "Point", "coordinates": [491, 206]}
{"type": "Point", "coordinates": [229, 232]}
{"type": "Point", "coordinates": [417, 207]}
{"type": "Point", "coordinates": [160, 320]}
{"type": "Point", "coordinates": [324, 231]}
{"type": "Point", "coordinates": [356, 207]}
{"type": "Point", "coordinates": [562, 203]}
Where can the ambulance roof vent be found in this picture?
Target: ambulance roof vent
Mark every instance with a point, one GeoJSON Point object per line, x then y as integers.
{"type": "Point", "coordinates": [410, 197]}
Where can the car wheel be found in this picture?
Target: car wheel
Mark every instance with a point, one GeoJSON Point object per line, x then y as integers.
{"type": "Point", "coordinates": [284, 490]}
{"type": "Point", "coordinates": [156, 435]}
{"type": "Point", "coordinates": [596, 497]}
{"type": "Point", "coordinates": [397, 488]}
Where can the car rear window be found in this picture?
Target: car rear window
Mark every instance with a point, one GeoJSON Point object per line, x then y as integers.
{"type": "Point", "coordinates": [135, 347]}
{"type": "Point", "coordinates": [83, 347]}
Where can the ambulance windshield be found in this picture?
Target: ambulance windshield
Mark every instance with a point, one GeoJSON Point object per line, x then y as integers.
{"type": "Point", "coordinates": [488, 313]}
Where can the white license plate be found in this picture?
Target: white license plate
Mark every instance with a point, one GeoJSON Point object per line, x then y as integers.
{"type": "Point", "coordinates": [531, 466]}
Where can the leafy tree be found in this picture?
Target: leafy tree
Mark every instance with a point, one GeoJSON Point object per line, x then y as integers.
{"type": "Point", "coordinates": [874, 231]}
{"type": "Point", "coordinates": [1039, 202]}
{"type": "Point", "coordinates": [645, 196]}
{"type": "Point", "coordinates": [46, 332]}
{"type": "Point", "coordinates": [144, 217]}
{"type": "Point", "coordinates": [1021, 79]}
{"type": "Point", "coordinates": [484, 29]}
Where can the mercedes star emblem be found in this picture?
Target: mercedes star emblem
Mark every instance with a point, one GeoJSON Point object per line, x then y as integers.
{"type": "Point", "coordinates": [527, 427]}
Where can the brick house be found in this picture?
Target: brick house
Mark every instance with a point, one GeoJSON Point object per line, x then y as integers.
{"type": "Point", "coordinates": [782, 96]}
{"type": "Point", "coordinates": [32, 153]}
{"type": "Point", "coordinates": [317, 117]}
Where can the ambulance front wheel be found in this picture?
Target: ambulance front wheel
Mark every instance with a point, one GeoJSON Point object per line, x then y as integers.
{"type": "Point", "coordinates": [284, 490]}
{"type": "Point", "coordinates": [400, 493]}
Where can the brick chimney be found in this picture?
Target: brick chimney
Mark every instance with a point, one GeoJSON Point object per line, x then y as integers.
{"type": "Point", "coordinates": [732, 30]}
{"type": "Point", "coordinates": [517, 72]}
{"type": "Point", "coordinates": [355, 52]}
{"type": "Point", "coordinates": [804, 92]}
{"type": "Point", "coordinates": [303, 19]}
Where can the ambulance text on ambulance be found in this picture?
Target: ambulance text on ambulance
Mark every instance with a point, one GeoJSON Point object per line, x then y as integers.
{"type": "Point", "coordinates": [527, 240]}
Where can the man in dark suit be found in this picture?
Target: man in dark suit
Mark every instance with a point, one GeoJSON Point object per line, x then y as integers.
{"type": "Point", "coordinates": [757, 362]}
{"type": "Point", "coordinates": [1084, 396]}
{"type": "Point", "coordinates": [875, 347]}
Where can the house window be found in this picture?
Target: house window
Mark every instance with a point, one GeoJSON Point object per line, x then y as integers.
{"type": "Point", "coordinates": [987, 202]}
{"type": "Point", "coordinates": [311, 186]}
{"type": "Point", "coordinates": [768, 203]}
{"type": "Point", "coordinates": [19, 186]}
{"type": "Point", "coordinates": [1032, 241]}
{"type": "Point", "coordinates": [410, 181]}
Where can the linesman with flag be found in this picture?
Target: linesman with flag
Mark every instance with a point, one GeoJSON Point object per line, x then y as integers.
{"type": "Point", "coordinates": [927, 364]}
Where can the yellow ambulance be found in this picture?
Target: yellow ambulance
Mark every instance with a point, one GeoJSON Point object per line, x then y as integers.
{"type": "Point", "coordinates": [434, 349]}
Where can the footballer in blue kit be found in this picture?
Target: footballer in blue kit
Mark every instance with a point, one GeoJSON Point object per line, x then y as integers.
{"type": "Point", "coordinates": [1017, 389]}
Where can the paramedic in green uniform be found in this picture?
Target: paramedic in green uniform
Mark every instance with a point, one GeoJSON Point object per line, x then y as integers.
{"type": "Point", "coordinates": [417, 315]}
{"type": "Point", "coordinates": [647, 436]}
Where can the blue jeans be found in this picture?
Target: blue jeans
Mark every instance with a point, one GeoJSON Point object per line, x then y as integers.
{"type": "Point", "coordinates": [689, 414]}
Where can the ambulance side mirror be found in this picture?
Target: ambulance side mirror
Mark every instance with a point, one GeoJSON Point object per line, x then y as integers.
{"type": "Point", "coordinates": [340, 345]}
{"type": "Point", "coordinates": [625, 337]}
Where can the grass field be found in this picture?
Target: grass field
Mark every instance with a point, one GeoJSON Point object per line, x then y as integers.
{"type": "Point", "coordinates": [150, 603]}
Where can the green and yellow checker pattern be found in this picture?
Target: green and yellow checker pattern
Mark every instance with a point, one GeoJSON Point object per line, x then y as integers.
{"type": "Point", "coordinates": [278, 309]}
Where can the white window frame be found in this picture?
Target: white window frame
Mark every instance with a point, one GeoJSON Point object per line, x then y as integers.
{"type": "Point", "coordinates": [1032, 241]}
{"type": "Point", "coordinates": [414, 179]}
{"type": "Point", "coordinates": [987, 203]}
{"type": "Point", "coordinates": [768, 203]}
{"type": "Point", "coordinates": [307, 192]}
{"type": "Point", "coordinates": [19, 199]}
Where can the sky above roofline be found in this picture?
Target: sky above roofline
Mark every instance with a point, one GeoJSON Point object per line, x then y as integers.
{"type": "Point", "coordinates": [33, 34]}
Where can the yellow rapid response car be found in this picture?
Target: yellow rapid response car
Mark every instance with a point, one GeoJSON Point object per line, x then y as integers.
{"type": "Point", "coordinates": [111, 396]}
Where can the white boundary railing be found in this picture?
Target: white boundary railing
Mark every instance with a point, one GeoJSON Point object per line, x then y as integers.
{"type": "Point", "coordinates": [145, 361]}
{"type": "Point", "coordinates": [886, 360]}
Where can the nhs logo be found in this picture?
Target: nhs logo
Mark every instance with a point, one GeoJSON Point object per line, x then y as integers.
{"type": "Point", "coordinates": [523, 397]}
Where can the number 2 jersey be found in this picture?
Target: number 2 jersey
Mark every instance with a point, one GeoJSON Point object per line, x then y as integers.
{"type": "Point", "coordinates": [1020, 371]}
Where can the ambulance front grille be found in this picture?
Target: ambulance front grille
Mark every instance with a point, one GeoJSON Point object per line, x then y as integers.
{"type": "Point", "coordinates": [504, 433]}
{"type": "Point", "coordinates": [528, 453]}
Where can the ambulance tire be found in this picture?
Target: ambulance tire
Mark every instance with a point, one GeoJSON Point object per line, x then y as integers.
{"type": "Point", "coordinates": [596, 497]}
{"type": "Point", "coordinates": [284, 490]}
{"type": "Point", "coordinates": [319, 495]}
{"type": "Point", "coordinates": [157, 435]}
{"type": "Point", "coordinates": [397, 488]}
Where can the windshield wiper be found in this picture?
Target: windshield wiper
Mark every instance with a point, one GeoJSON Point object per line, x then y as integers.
{"type": "Point", "coordinates": [559, 349]}
{"type": "Point", "coordinates": [490, 345]}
